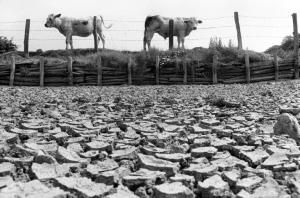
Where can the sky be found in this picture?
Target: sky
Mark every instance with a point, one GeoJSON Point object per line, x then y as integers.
{"type": "Point", "coordinates": [264, 23]}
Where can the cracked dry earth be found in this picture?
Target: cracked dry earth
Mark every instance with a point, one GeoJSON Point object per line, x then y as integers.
{"type": "Point", "coordinates": [150, 141]}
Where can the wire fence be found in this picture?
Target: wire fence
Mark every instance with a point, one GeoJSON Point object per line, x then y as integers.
{"type": "Point", "coordinates": [125, 34]}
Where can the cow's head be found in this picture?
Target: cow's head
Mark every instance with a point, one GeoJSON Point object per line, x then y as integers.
{"type": "Point", "coordinates": [51, 20]}
{"type": "Point", "coordinates": [192, 23]}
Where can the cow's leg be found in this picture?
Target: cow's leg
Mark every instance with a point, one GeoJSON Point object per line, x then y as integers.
{"type": "Point", "coordinates": [178, 40]}
{"type": "Point", "coordinates": [71, 43]}
{"type": "Point", "coordinates": [147, 39]}
{"type": "Point", "coordinates": [102, 37]}
{"type": "Point", "coordinates": [68, 41]}
{"type": "Point", "coordinates": [182, 42]}
{"type": "Point", "coordinates": [100, 34]}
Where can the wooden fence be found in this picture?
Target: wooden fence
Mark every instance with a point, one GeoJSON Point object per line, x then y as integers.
{"type": "Point", "coordinates": [172, 71]}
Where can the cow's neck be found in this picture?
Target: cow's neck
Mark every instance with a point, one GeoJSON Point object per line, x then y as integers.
{"type": "Point", "coordinates": [187, 32]}
{"type": "Point", "coordinates": [58, 25]}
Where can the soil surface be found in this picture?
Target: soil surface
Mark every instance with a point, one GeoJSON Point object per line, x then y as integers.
{"type": "Point", "coordinates": [151, 141]}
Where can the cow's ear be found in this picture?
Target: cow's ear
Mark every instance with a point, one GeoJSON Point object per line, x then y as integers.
{"type": "Point", "coordinates": [58, 15]}
{"type": "Point", "coordinates": [199, 21]}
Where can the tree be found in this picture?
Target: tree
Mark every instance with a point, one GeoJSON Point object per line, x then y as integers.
{"type": "Point", "coordinates": [7, 45]}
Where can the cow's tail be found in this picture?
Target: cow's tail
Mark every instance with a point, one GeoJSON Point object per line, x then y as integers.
{"type": "Point", "coordinates": [102, 21]}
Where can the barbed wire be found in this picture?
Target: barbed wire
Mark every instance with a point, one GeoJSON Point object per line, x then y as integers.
{"type": "Point", "coordinates": [138, 30]}
{"type": "Point", "coordinates": [264, 17]}
{"type": "Point", "coordinates": [222, 26]}
{"type": "Point", "coordinates": [138, 40]}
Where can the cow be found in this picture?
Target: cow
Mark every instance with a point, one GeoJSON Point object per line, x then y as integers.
{"type": "Point", "coordinates": [76, 27]}
{"type": "Point", "coordinates": [160, 25]}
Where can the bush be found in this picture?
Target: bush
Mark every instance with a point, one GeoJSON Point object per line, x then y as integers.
{"type": "Point", "coordinates": [7, 45]}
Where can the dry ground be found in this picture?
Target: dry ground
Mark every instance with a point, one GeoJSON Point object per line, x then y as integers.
{"type": "Point", "coordinates": [203, 141]}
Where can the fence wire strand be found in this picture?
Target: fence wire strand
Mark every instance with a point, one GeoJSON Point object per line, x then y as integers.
{"type": "Point", "coordinates": [125, 30]}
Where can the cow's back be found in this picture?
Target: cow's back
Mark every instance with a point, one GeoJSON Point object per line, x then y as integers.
{"type": "Point", "coordinates": [78, 27]}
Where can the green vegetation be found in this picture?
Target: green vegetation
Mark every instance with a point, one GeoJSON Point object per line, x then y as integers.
{"type": "Point", "coordinates": [285, 49]}
{"type": "Point", "coordinates": [226, 54]}
{"type": "Point", "coordinates": [6, 45]}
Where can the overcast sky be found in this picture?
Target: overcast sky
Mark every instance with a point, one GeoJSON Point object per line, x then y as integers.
{"type": "Point", "coordinates": [263, 22]}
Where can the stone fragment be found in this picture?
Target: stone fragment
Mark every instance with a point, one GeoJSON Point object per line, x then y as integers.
{"type": "Point", "coordinates": [275, 160]}
{"type": "Point", "coordinates": [7, 168]}
{"type": "Point", "coordinates": [68, 156]}
{"type": "Point", "coordinates": [255, 157]}
{"type": "Point", "coordinates": [143, 177]}
{"type": "Point", "coordinates": [100, 146]}
{"type": "Point", "coordinates": [93, 154]}
{"type": "Point", "coordinates": [289, 109]}
{"type": "Point", "coordinates": [5, 181]}
{"type": "Point", "coordinates": [228, 163]}
{"type": "Point", "coordinates": [43, 157]}
{"type": "Point", "coordinates": [151, 150]}
{"type": "Point", "coordinates": [200, 171]}
{"type": "Point", "coordinates": [32, 189]}
{"type": "Point", "coordinates": [126, 154]}
{"type": "Point", "coordinates": [186, 180]}
{"type": "Point", "coordinates": [207, 152]}
{"type": "Point", "coordinates": [198, 130]}
{"type": "Point", "coordinates": [155, 164]}
{"type": "Point", "coordinates": [83, 187]}
{"type": "Point", "coordinates": [213, 186]}
{"type": "Point", "coordinates": [248, 183]}
{"type": "Point", "coordinates": [112, 177]}
{"type": "Point", "coordinates": [172, 157]}
{"type": "Point", "coordinates": [231, 176]}
{"type": "Point", "coordinates": [9, 138]}
{"type": "Point", "coordinates": [49, 171]}
{"type": "Point", "coordinates": [24, 133]}
{"type": "Point", "coordinates": [101, 166]}
{"type": "Point", "coordinates": [122, 192]}
{"type": "Point", "coordinates": [270, 188]}
{"type": "Point", "coordinates": [201, 142]}
{"type": "Point", "coordinates": [172, 190]}
{"type": "Point", "coordinates": [287, 124]}
{"type": "Point", "coordinates": [210, 122]}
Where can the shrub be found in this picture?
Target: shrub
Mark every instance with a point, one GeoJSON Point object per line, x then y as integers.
{"type": "Point", "coordinates": [7, 45]}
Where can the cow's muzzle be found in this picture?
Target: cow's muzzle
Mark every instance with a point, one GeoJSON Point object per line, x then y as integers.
{"type": "Point", "coordinates": [46, 25]}
{"type": "Point", "coordinates": [194, 28]}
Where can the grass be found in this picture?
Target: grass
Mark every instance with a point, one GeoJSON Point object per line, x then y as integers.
{"type": "Point", "coordinates": [226, 54]}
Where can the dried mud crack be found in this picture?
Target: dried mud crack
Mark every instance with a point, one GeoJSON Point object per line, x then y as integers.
{"type": "Point", "coordinates": [151, 141]}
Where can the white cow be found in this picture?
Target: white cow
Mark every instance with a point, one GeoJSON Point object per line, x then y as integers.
{"type": "Point", "coordinates": [160, 25]}
{"type": "Point", "coordinates": [76, 27]}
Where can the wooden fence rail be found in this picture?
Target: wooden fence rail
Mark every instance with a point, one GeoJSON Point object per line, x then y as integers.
{"type": "Point", "coordinates": [175, 71]}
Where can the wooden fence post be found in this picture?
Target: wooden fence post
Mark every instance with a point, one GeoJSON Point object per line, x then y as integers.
{"type": "Point", "coordinates": [193, 73]}
{"type": "Point", "coordinates": [42, 71]}
{"type": "Point", "coordinates": [171, 33]}
{"type": "Point", "coordinates": [99, 70]}
{"type": "Point", "coordinates": [247, 65]}
{"type": "Point", "coordinates": [129, 69]}
{"type": "Point", "coordinates": [176, 64]}
{"type": "Point", "coordinates": [157, 70]}
{"type": "Point", "coordinates": [276, 67]}
{"type": "Point", "coordinates": [95, 34]}
{"type": "Point", "coordinates": [238, 30]}
{"type": "Point", "coordinates": [12, 71]}
{"type": "Point", "coordinates": [214, 69]}
{"type": "Point", "coordinates": [184, 72]}
{"type": "Point", "coordinates": [70, 70]}
{"type": "Point", "coordinates": [296, 45]}
{"type": "Point", "coordinates": [26, 38]}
